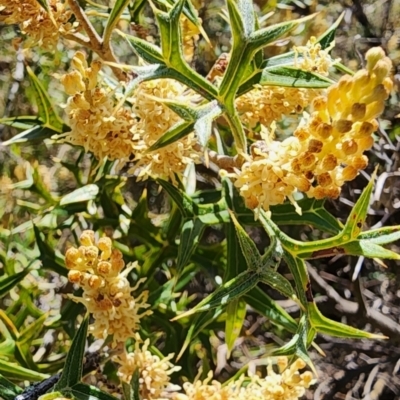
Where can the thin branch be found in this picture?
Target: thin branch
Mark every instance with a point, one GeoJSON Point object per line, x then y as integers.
{"type": "Point", "coordinates": [83, 20]}
{"type": "Point", "coordinates": [220, 161]}
{"type": "Point", "coordinates": [76, 37]}
{"type": "Point", "coordinates": [95, 42]}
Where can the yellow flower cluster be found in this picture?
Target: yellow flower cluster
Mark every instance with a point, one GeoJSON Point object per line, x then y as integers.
{"type": "Point", "coordinates": [267, 104]}
{"type": "Point", "coordinates": [41, 27]}
{"type": "Point", "coordinates": [154, 373]}
{"type": "Point", "coordinates": [327, 148]}
{"type": "Point", "coordinates": [155, 118]}
{"type": "Point", "coordinates": [96, 268]}
{"type": "Point", "coordinates": [288, 384]}
{"type": "Point", "coordinates": [95, 121]}
{"type": "Point", "coordinates": [313, 58]}
{"type": "Point", "coordinates": [102, 126]}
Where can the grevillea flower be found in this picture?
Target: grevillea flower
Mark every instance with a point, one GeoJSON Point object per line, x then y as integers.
{"type": "Point", "coordinates": [267, 104]}
{"type": "Point", "coordinates": [288, 384]}
{"type": "Point", "coordinates": [328, 145]}
{"type": "Point", "coordinates": [107, 294]}
{"type": "Point", "coordinates": [96, 123]}
{"type": "Point", "coordinates": [154, 372]}
{"type": "Point", "coordinates": [41, 27]}
{"type": "Point", "coordinates": [155, 118]}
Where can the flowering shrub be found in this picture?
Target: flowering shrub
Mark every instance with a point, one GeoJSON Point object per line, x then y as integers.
{"type": "Point", "coordinates": [163, 155]}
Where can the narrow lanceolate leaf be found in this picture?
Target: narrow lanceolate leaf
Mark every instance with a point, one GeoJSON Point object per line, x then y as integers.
{"type": "Point", "coordinates": [113, 19]}
{"type": "Point", "coordinates": [277, 282]}
{"type": "Point", "coordinates": [14, 371]}
{"type": "Point", "coordinates": [44, 4]}
{"type": "Point", "coordinates": [8, 391]}
{"type": "Point", "coordinates": [175, 133]}
{"type": "Point", "coordinates": [241, 17]}
{"type": "Point", "coordinates": [333, 328]}
{"type": "Point", "coordinates": [293, 77]}
{"type": "Point", "coordinates": [84, 193]}
{"type": "Point", "coordinates": [358, 214]}
{"type": "Point", "coordinates": [371, 250]}
{"type": "Point", "coordinates": [37, 133]}
{"type": "Point", "coordinates": [73, 367]}
{"type": "Point", "coordinates": [229, 291]}
{"type": "Point", "coordinates": [131, 390]}
{"type": "Point", "coordinates": [265, 36]}
{"type": "Point", "coordinates": [189, 239]}
{"type": "Point", "coordinates": [249, 249]}
{"type": "Point", "coordinates": [171, 45]}
{"type": "Point", "coordinates": [24, 122]}
{"type": "Point", "coordinates": [313, 213]}
{"type": "Point", "coordinates": [8, 282]}
{"type": "Point", "coordinates": [300, 275]}
{"type": "Point", "coordinates": [384, 235]}
{"type": "Point", "coordinates": [46, 109]}
{"type": "Point", "coordinates": [262, 303]}
{"type": "Point", "coordinates": [235, 315]}
{"type": "Point", "coordinates": [148, 51]}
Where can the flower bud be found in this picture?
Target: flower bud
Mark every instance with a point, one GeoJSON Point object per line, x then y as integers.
{"type": "Point", "coordinates": [87, 238]}
{"type": "Point", "coordinates": [373, 56]}
{"type": "Point", "coordinates": [358, 111]}
{"type": "Point", "coordinates": [349, 147]}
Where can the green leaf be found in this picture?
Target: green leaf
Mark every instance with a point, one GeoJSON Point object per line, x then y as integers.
{"type": "Point", "coordinates": [293, 77]}
{"type": "Point", "coordinates": [32, 330]}
{"type": "Point", "coordinates": [241, 18]}
{"type": "Point", "coordinates": [191, 232]}
{"type": "Point", "coordinates": [14, 371]}
{"type": "Point", "coordinates": [300, 275]}
{"type": "Point", "coordinates": [262, 303]}
{"type": "Point", "coordinates": [113, 19]}
{"type": "Point", "coordinates": [131, 390]}
{"type": "Point", "coordinates": [333, 328]}
{"type": "Point", "coordinates": [176, 132]}
{"type": "Point", "coordinates": [229, 291]}
{"type": "Point", "coordinates": [384, 235]}
{"type": "Point", "coordinates": [148, 51]}
{"type": "Point", "coordinates": [8, 391]}
{"type": "Point", "coordinates": [298, 345]}
{"type": "Point", "coordinates": [171, 42]}
{"type": "Point", "coordinates": [46, 110]}
{"type": "Point", "coordinates": [265, 36]}
{"type": "Point", "coordinates": [235, 315]}
{"type": "Point", "coordinates": [8, 282]}
{"type": "Point", "coordinates": [24, 122]}
{"type": "Point", "coordinates": [73, 367]}
{"type": "Point", "coordinates": [313, 213]}
{"type": "Point", "coordinates": [368, 249]}
{"type": "Point", "coordinates": [37, 132]}
{"type": "Point", "coordinates": [81, 391]}
{"type": "Point", "coordinates": [84, 193]}
{"type": "Point", "coordinates": [358, 213]}
{"type": "Point", "coordinates": [328, 38]}
{"type": "Point", "coordinates": [44, 4]}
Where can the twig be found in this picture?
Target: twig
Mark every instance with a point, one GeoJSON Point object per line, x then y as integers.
{"type": "Point", "coordinates": [227, 163]}
{"type": "Point", "coordinates": [95, 42]}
